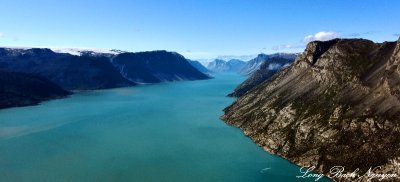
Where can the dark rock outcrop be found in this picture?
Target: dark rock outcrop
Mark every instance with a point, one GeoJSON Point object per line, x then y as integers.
{"type": "Point", "coordinates": [18, 89]}
{"type": "Point", "coordinates": [338, 104]}
{"type": "Point", "coordinates": [267, 69]}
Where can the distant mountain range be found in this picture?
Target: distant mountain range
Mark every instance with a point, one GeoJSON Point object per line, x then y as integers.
{"type": "Point", "coordinates": [233, 65]}
{"type": "Point", "coordinates": [267, 69]}
{"type": "Point", "coordinates": [254, 64]}
{"type": "Point", "coordinates": [226, 58]}
{"type": "Point", "coordinates": [249, 67]}
{"type": "Point", "coordinates": [242, 57]}
{"type": "Point", "coordinates": [87, 70]}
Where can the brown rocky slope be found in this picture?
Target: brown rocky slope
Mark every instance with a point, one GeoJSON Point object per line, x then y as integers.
{"type": "Point", "coordinates": [338, 104]}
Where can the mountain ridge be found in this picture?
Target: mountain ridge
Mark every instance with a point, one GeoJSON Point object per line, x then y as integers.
{"type": "Point", "coordinates": [94, 70]}
{"type": "Point", "coordinates": [233, 65]}
{"type": "Point", "coordinates": [267, 69]}
{"type": "Point", "coordinates": [254, 64]}
{"type": "Point", "coordinates": [200, 67]}
{"type": "Point", "coordinates": [338, 97]}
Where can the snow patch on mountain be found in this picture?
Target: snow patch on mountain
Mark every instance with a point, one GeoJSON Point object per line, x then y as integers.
{"type": "Point", "coordinates": [79, 51]}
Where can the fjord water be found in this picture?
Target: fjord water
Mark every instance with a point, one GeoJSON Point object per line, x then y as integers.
{"type": "Point", "coordinates": [163, 132]}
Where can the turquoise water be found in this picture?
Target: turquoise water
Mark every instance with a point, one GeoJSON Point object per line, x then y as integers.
{"type": "Point", "coordinates": [163, 132]}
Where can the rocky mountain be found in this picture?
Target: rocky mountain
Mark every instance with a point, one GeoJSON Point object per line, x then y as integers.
{"type": "Point", "coordinates": [292, 56]}
{"type": "Point", "coordinates": [226, 58]}
{"type": "Point", "coordinates": [254, 64]}
{"type": "Point", "coordinates": [235, 65]}
{"type": "Point", "coordinates": [71, 72]}
{"type": "Point", "coordinates": [89, 70]}
{"type": "Point", "coordinates": [200, 67]}
{"type": "Point", "coordinates": [18, 89]}
{"type": "Point", "coordinates": [244, 58]}
{"type": "Point", "coordinates": [268, 68]}
{"type": "Point", "coordinates": [338, 104]}
{"type": "Point", "coordinates": [155, 67]}
{"type": "Point", "coordinates": [219, 65]}
{"type": "Point", "coordinates": [80, 51]}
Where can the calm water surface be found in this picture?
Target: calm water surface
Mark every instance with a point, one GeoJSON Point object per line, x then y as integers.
{"type": "Point", "coordinates": [163, 132]}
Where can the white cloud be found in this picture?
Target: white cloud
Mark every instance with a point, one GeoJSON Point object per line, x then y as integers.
{"type": "Point", "coordinates": [322, 36]}
{"type": "Point", "coordinates": [1, 34]}
{"type": "Point", "coordinates": [78, 51]}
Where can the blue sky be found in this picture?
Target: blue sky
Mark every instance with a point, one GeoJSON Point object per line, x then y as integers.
{"type": "Point", "coordinates": [194, 28]}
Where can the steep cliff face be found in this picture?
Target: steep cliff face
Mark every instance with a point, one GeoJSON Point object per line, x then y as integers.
{"type": "Point", "coordinates": [155, 67]}
{"type": "Point", "coordinates": [338, 104]}
{"type": "Point", "coordinates": [18, 89]}
{"type": "Point", "coordinates": [91, 70]}
{"type": "Point", "coordinates": [199, 66]}
{"type": "Point", "coordinates": [71, 72]}
{"type": "Point", "coordinates": [268, 68]}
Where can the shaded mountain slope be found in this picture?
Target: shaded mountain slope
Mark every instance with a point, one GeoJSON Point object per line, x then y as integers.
{"type": "Point", "coordinates": [18, 89]}
{"type": "Point", "coordinates": [155, 67]}
{"type": "Point", "coordinates": [199, 67]}
{"type": "Point", "coordinates": [71, 72]}
{"type": "Point", "coordinates": [91, 70]}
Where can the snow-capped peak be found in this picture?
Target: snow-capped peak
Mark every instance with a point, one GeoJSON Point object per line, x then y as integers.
{"type": "Point", "coordinates": [73, 51]}
{"type": "Point", "coordinates": [79, 51]}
